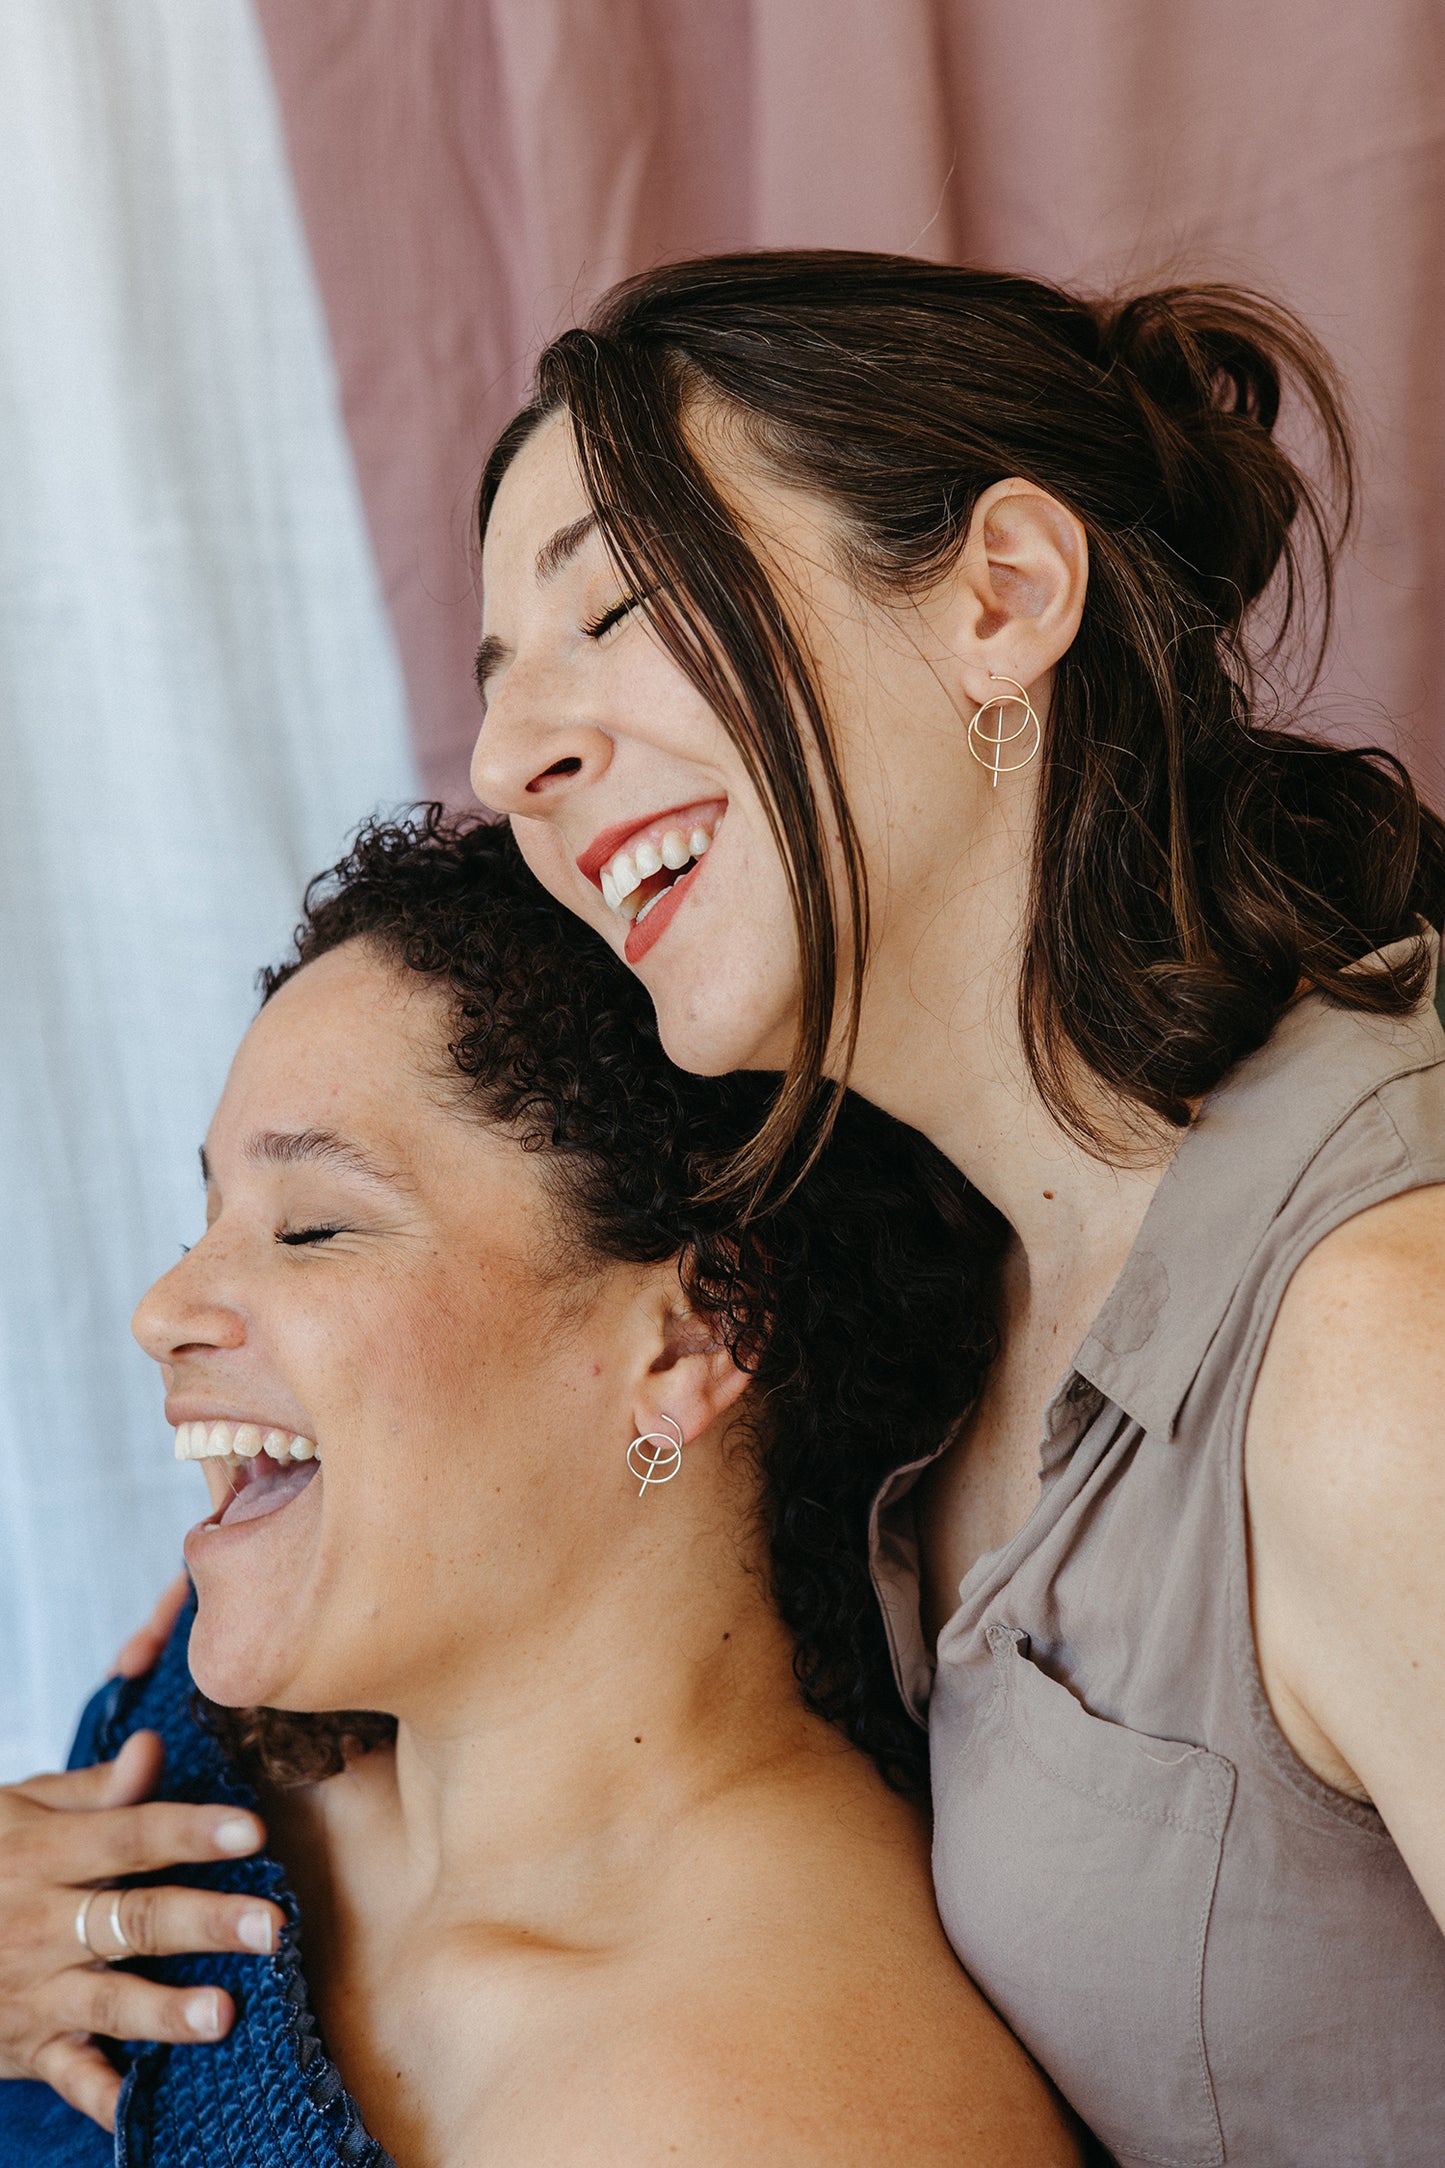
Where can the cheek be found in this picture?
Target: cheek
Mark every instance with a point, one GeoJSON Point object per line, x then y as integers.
{"type": "Point", "coordinates": [543, 849]}
{"type": "Point", "coordinates": [444, 1416]}
{"type": "Point", "coordinates": [546, 853]}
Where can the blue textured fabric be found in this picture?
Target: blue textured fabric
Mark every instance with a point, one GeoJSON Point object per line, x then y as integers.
{"type": "Point", "coordinates": [36, 2125]}
{"type": "Point", "coordinates": [268, 2096]}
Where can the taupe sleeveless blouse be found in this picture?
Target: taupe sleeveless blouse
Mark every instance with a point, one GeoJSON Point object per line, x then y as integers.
{"type": "Point", "coordinates": [1216, 1957]}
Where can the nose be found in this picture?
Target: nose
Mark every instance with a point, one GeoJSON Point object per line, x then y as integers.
{"type": "Point", "coordinates": [527, 760]}
{"type": "Point", "coordinates": [183, 1312]}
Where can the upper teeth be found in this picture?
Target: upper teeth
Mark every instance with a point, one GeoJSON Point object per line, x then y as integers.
{"type": "Point", "coordinates": [240, 1441]}
{"type": "Point", "coordinates": [627, 870]}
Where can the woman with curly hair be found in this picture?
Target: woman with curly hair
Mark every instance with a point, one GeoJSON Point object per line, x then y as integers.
{"type": "Point", "coordinates": [558, 1481]}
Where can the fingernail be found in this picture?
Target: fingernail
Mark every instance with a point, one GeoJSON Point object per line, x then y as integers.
{"type": "Point", "coordinates": [235, 1836]}
{"type": "Point", "coordinates": [203, 2013]}
{"type": "Point", "coordinates": [256, 1930]}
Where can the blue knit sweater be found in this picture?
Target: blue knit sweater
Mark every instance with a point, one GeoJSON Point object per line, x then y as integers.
{"type": "Point", "coordinates": [268, 2096]}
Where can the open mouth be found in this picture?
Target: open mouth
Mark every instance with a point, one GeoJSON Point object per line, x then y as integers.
{"type": "Point", "coordinates": [638, 869]}
{"type": "Point", "coordinates": [263, 1468]}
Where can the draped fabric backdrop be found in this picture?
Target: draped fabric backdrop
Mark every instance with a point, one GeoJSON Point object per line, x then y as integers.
{"type": "Point", "coordinates": [272, 274]}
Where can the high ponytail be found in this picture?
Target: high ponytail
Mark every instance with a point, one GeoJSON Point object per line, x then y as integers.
{"type": "Point", "coordinates": [1195, 862]}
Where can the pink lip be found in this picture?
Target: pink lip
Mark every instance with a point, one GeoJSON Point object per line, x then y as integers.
{"type": "Point", "coordinates": [641, 938]}
{"type": "Point", "coordinates": [611, 840]}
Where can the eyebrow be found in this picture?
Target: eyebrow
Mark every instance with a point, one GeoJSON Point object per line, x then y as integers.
{"type": "Point", "coordinates": [551, 557]}
{"type": "Point", "coordinates": [564, 544]}
{"type": "Point", "coordinates": [490, 656]}
{"type": "Point", "coordinates": [298, 1147]}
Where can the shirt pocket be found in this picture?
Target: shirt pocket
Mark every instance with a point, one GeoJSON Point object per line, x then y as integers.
{"type": "Point", "coordinates": [1075, 1863]}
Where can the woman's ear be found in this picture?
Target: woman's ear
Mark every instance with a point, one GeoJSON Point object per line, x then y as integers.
{"type": "Point", "coordinates": [693, 1377]}
{"type": "Point", "coordinates": [1018, 588]}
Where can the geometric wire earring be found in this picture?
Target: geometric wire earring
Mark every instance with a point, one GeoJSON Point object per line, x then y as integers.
{"type": "Point", "coordinates": [654, 1457]}
{"type": "Point", "coordinates": [994, 759]}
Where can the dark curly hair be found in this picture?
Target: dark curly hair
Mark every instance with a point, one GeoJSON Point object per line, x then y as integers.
{"type": "Point", "coordinates": [855, 1304]}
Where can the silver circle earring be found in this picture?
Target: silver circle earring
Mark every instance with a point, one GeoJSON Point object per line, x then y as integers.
{"type": "Point", "coordinates": [655, 1457]}
{"type": "Point", "coordinates": [993, 759]}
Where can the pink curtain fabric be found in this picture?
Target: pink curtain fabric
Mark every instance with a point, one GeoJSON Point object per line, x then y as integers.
{"type": "Point", "coordinates": [473, 172]}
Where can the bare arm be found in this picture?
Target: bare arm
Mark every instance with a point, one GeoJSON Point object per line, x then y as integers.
{"type": "Point", "coordinates": [1345, 1469]}
{"type": "Point", "coordinates": [61, 1834]}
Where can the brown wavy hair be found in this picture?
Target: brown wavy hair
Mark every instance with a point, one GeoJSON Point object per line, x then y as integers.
{"type": "Point", "coordinates": [1196, 861]}
{"type": "Point", "coordinates": [856, 1306]}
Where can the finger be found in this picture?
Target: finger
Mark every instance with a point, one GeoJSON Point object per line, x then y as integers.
{"type": "Point", "coordinates": [179, 1922]}
{"type": "Point", "coordinates": [123, 1782]}
{"type": "Point", "coordinates": [121, 2006]}
{"type": "Point", "coordinates": [135, 1772]}
{"type": "Point", "coordinates": [75, 2067]}
{"type": "Point", "coordinates": [143, 1650]}
{"type": "Point", "coordinates": [114, 1842]}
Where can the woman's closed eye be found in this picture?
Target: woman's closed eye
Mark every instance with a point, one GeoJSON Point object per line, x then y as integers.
{"type": "Point", "coordinates": [301, 1237]}
{"type": "Point", "coordinates": [599, 627]}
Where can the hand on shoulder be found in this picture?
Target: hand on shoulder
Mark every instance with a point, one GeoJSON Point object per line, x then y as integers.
{"type": "Point", "coordinates": [1345, 1470]}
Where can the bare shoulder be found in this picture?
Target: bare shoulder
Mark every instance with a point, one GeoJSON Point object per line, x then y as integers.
{"type": "Point", "coordinates": [1345, 1481]}
{"type": "Point", "coordinates": [741, 2103]}
{"type": "Point", "coordinates": [1366, 1255]}
{"type": "Point", "coordinates": [808, 2073]}
{"type": "Point", "coordinates": [1352, 1388]}
{"type": "Point", "coordinates": [818, 2015]}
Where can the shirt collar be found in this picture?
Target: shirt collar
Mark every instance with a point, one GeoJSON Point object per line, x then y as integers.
{"type": "Point", "coordinates": [1246, 1149]}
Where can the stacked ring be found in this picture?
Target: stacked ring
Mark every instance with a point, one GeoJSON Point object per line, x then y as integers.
{"type": "Point", "coordinates": [82, 1927]}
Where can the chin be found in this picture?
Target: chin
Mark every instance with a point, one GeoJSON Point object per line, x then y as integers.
{"type": "Point", "coordinates": [230, 1683]}
{"type": "Point", "coordinates": [734, 1029]}
{"type": "Point", "coordinates": [237, 1664]}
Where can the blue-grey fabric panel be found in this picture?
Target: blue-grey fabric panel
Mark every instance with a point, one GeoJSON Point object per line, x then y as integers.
{"type": "Point", "coordinates": [199, 697]}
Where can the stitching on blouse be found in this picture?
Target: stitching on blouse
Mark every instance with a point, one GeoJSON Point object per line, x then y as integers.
{"type": "Point", "coordinates": [1157, 1817]}
{"type": "Point", "coordinates": [1220, 1778]}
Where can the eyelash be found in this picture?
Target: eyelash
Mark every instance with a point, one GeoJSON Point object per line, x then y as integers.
{"type": "Point", "coordinates": [303, 1237]}
{"type": "Point", "coordinates": [601, 626]}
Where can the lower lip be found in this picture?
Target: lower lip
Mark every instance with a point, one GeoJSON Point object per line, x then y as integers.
{"type": "Point", "coordinates": [645, 936]}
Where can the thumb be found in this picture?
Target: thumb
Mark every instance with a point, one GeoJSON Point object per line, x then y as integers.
{"type": "Point", "coordinates": [135, 1772]}
{"type": "Point", "coordinates": [124, 1782]}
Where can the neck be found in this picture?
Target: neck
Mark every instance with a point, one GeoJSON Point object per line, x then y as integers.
{"type": "Point", "coordinates": [536, 1791]}
{"type": "Point", "coordinates": [942, 1050]}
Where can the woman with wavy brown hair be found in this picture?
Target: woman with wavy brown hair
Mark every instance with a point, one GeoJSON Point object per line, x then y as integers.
{"type": "Point", "coordinates": [872, 651]}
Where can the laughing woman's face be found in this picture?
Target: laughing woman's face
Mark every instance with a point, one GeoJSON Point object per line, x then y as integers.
{"type": "Point", "coordinates": [632, 804]}
{"type": "Point", "coordinates": [406, 1410]}
{"type": "Point", "coordinates": [628, 798]}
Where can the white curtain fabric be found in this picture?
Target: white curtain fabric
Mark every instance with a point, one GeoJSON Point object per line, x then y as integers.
{"type": "Point", "coordinates": [199, 698]}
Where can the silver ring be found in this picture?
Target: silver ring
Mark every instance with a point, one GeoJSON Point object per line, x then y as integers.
{"type": "Point", "coordinates": [81, 1935]}
{"type": "Point", "coordinates": [116, 1929]}
{"type": "Point", "coordinates": [82, 1926]}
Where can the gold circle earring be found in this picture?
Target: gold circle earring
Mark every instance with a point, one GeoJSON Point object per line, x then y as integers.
{"type": "Point", "coordinates": [993, 760]}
